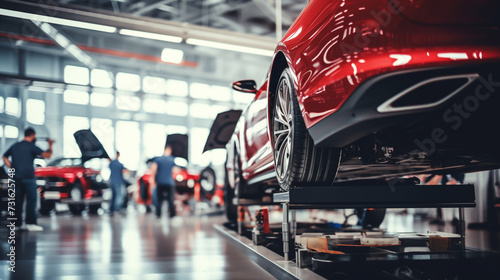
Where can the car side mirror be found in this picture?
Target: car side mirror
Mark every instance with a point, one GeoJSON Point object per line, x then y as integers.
{"type": "Point", "coordinates": [248, 86]}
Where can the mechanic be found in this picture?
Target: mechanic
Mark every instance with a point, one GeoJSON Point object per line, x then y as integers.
{"type": "Point", "coordinates": [161, 176]}
{"type": "Point", "coordinates": [117, 184]}
{"type": "Point", "coordinates": [23, 154]}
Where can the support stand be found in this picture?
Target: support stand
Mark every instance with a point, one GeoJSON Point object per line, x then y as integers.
{"type": "Point", "coordinates": [338, 197]}
{"type": "Point", "coordinates": [285, 227]}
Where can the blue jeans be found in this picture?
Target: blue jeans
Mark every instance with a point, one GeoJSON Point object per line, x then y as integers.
{"type": "Point", "coordinates": [116, 197]}
{"type": "Point", "coordinates": [26, 188]}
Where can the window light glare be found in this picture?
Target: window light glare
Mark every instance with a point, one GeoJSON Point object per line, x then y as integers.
{"type": "Point", "coordinates": [230, 47]}
{"type": "Point", "coordinates": [153, 36]}
{"type": "Point", "coordinates": [59, 21]}
{"type": "Point", "coordinates": [172, 55]}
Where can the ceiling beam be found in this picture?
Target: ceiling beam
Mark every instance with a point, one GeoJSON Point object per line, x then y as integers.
{"type": "Point", "coordinates": [158, 26]}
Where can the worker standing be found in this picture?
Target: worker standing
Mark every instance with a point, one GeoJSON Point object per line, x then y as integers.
{"type": "Point", "coordinates": [23, 154]}
{"type": "Point", "coordinates": [117, 184]}
{"type": "Point", "coordinates": [161, 176]}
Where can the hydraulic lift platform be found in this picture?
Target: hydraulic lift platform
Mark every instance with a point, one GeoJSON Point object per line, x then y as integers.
{"type": "Point", "coordinates": [366, 196]}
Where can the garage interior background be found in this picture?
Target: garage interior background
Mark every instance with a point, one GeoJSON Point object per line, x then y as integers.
{"type": "Point", "coordinates": [141, 70]}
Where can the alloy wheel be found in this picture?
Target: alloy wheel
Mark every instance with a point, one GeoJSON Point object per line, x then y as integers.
{"type": "Point", "coordinates": [283, 128]}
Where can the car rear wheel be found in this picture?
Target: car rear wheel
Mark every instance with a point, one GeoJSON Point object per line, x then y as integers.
{"type": "Point", "coordinates": [207, 182]}
{"type": "Point", "coordinates": [76, 194]}
{"type": "Point", "coordinates": [46, 206]}
{"type": "Point", "coordinates": [371, 217]}
{"type": "Point", "coordinates": [232, 192]}
{"type": "Point", "coordinates": [94, 208]}
{"type": "Point", "coordinates": [297, 161]}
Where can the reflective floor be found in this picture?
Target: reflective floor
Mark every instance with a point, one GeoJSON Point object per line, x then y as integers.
{"type": "Point", "coordinates": [137, 246]}
{"type": "Point", "coordinates": [131, 246]}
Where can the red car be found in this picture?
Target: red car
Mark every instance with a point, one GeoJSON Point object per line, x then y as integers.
{"type": "Point", "coordinates": [201, 186]}
{"type": "Point", "coordinates": [67, 180]}
{"type": "Point", "coordinates": [372, 90]}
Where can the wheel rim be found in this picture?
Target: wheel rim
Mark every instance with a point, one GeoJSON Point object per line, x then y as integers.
{"type": "Point", "coordinates": [236, 173]}
{"type": "Point", "coordinates": [282, 129]}
{"type": "Point", "coordinates": [76, 195]}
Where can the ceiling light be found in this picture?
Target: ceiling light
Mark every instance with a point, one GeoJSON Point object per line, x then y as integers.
{"type": "Point", "coordinates": [172, 55]}
{"type": "Point", "coordinates": [153, 36]}
{"type": "Point", "coordinates": [60, 21]}
{"type": "Point", "coordinates": [229, 47]}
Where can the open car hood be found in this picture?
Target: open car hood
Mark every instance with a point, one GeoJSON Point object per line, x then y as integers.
{"type": "Point", "coordinates": [222, 129]}
{"type": "Point", "coordinates": [89, 145]}
{"type": "Point", "coordinates": [179, 144]}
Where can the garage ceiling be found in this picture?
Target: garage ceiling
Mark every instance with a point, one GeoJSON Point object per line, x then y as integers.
{"type": "Point", "coordinates": [249, 23]}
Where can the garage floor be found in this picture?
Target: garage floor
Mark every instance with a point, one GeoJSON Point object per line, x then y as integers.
{"type": "Point", "coordinates": [137, 246]}
{"type": "Point", "coordinates": [131, 246]}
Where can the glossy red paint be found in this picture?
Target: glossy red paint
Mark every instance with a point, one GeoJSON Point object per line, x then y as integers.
{"type": "Point", "coordinates": [333, 47]}
{"type": "Point", "coordinates": [71, 174]}
{"type": "Point", "coordinates": [185, 182]}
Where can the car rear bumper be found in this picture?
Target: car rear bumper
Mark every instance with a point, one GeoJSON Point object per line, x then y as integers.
{"type": "Point", "coordinates": [363, 112]}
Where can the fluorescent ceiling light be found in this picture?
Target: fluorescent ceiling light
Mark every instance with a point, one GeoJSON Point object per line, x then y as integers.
{"type": "Point", "coordinates": [60, 21]}
{"type": "Point", "coordinates": [172, 55]}
{"type": "Point", "coordinates": [229, 47]}
{"type": "Point", "coordinates": [153, 36]}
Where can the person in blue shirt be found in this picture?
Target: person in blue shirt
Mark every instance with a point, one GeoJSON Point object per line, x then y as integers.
{"type": "Point", "coordinates": [23, 154]}
{"type": "Point", "coordinates": [161, 176]}
{"type": "Point", "coordinates": [117, 184]}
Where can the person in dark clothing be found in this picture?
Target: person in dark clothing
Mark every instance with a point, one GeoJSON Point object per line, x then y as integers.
{"type": "Point", "coordinates": [23, 154]}
{"type": "Point", "coordinates": [161, 176]}
{"type": "Point", "coordinates": [117, 184]}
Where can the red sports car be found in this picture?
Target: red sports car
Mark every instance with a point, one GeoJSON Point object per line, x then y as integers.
{"type": "Point", "coordinates": [67, 180]}
{"type": "Point", "coordinates": [372, 90]}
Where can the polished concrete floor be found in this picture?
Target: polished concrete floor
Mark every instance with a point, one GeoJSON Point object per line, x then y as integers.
{"type": "Point", "coordinates": [130, 246]}
{"type": "Point", "coordinates": [138, 246]}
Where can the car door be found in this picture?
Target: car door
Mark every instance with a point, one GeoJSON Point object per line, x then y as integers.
{"type": "Point", "coordinates": [258, 157]}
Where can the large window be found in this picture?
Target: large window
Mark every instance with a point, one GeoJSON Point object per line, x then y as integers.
{"type": "Point", "coordinates": [153, 85]}
{"type": "Point", "coordinates": [1, 104]}
{"type": "Point", "coordinates": [12, 106]}
{"type": "Point", "coordinates": [154, 137]}
{"type": "Point", "coordinates": [176, 108]}
{"type": "Point", "coordinates": [100, 99]}
{"type": "Point", "coordinates": [199, 91]}
{"type": "Point", "coordinates": [197, 138]}
{"type": "Point", "coordinates": [200, 110]}
{"type": "Point", "coordinates": [71, 125]}
{"type": "Point", "coordinates": [35, 111]}
{"type": "Point", "coordinates": [76, 97]}
{"type": "Point", "coordinates": [76, 75]}
{"type": "Point", "coordinates": [171, 129]}
{"type": "Point", "coordinates": [242, 98]}
{"type": "Point", "coordinates": [128, 143]}
{"type": "Point", "coordinates": [127, 81]}
{"type": "Point", "coordinates": [220, 93]}
{"type": "Point", "coordinates": [101, 78]}
{"type": "Point", "coordinates": [105, 132]}
{"type": "Point", "coordinates": [11, 132]}
{"type": "Point", "coordinates": [128, 102]}
{"type": "Point", "coordinates": [154, 105]}
{"type": "Point", "coordinates": [177, 88]}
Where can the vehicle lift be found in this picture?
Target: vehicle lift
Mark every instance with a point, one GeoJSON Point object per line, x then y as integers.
{"type": "Point", "coordinates": [363, 196]}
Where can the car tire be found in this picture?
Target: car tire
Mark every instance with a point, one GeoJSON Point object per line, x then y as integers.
{"type": "Point", "coordinates": [370, 218]}
{"type": "Point", "coordinates": [94, 208]}
{"type": "Point", "coordinates": [207, 183]}
{"type": "Point", "coordinates": [297, 161]}
{"type": "Point", "coordinates": [46, 206]}
{"type": "Point", "coordinates": [231, 193]}
{"type": "Point", "coordinates": [76, 194]}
